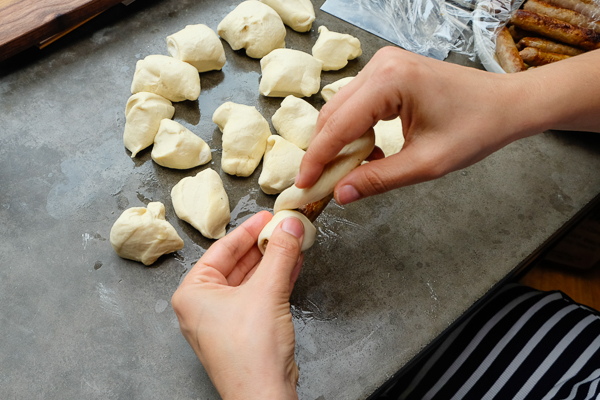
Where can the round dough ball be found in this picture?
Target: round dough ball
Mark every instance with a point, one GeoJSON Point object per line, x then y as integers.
{"type": "Point", "coordinates": [310, 232]}
{"type": "Point", "coordinates": [199, 46]}
{"type": "Point", "coordinates": [335, 49]}
{"type": "Point", "coordinates": [167, 77]}
{"type": "Point", "coordinates": [297, 14]}
{"type": "Point", "coordinates": [295, 120]}
{"type": "Point", "coordinates": [177, 147]}
{"type": "Point", "coordinates": [289, 72]}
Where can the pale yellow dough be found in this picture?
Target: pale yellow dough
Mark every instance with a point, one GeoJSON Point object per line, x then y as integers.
{"type": "Point", "coordinates": [310, 232]}
{"type": "Point", "coordinates": [253, 26]}
{"type": "Point", "coordinates": [335, 49]}
{"type": "Point", "coordinates": [295, 120]}
{"type": "Point", "coordinates": [166, 76]}
{"type": "Point", "coordinates": [280, 166]}
{"type": "Point", "coordinates": [289, 72]}
{"type": "Point", "coordinates": [203, 203]}
{"type": "Point", "coordinates": [177, 147]}
{"type": "Point", "coordinates": [388, 136]}
{"type": "Point", "coordinates": [143, 114]}
{"type": "Point", "coordinates": [142, 234]}
{"type": "Point", "coordinates": [329, 90]}
{"type": "Point", "coordinates": [297, 14]}
{"type": "Point", "coordinates": [245, 134]}
{"type": "Point", "coordinates": [199, 46]}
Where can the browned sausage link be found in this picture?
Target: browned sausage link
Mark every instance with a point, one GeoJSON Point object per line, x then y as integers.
{"type": "Point", "coordinates": [548, 46]}
{"type": "Point", "coordinates": [518, 33]}
{"type": "Point", "coordinates": [570, 16]}
{"type": "Point", "coordinates": [313, 210]}
{"type": "Point", "coordinates": [557, 29]}
{"type": "Point", "coordinates": [507, 53]}
{"type": "Point", "coordinates": [536, 57]}
{"type": "Point", "coordinates": [587, 8]}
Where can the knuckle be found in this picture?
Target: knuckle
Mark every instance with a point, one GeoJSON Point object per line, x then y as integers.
{"type": "Point", "coordinates": [374, 182]}
{"type": "Point", "coordinates": [283, 246]}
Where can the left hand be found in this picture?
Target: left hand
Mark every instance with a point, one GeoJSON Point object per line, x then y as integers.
{"type": "Point", "coordinates": [233, 309]}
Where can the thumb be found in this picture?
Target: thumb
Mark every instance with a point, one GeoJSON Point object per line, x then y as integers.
{"type": "Point", "coordinates": [281, 256]}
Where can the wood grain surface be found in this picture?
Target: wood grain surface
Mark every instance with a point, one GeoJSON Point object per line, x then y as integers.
{"type": "Point", "coordinates": [25, 23]}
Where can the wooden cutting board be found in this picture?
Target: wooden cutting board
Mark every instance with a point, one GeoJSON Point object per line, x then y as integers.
{"type": "Point", "coordinates": [26, 23]}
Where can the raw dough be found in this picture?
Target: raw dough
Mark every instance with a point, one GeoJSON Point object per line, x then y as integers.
{"type": "Point", "coordinates": [203, 203]}
{"type": "Point", "coordinates": [287, 71]}
{"type": "Point", "coordinates": [347, 159]}
{"type": "Point", "coordinates": [295, 120]}
{"type": "Point", "coordinates": [142, 234]}
{"type": "Point", "coordinates": [335, 49]}
{"type": "Point", "coordinates": [297, 14]}
{"type": "Point", "coordinates": [388, 136]}
{"type": "Point", "coordinates": [331, 89]}
{"type": "Point", "coordinates": [177, 147]}
{"type": "Point", "coordinates": [309, 229]}
{"type": "Point", "coordinates": [245, 134]}
{"type": "Point", "coordinates": [143, 114]}
{"type": "Point", "coordinates": [167, 77]}
{"type": "Point", "coordinates": [253, 26]}
{"type": "Point", "coordinates": [199, 46]}
{"type": "Point", "coordinates": [280, 166]}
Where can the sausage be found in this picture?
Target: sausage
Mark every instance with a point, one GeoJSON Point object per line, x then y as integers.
{"type": "Point", "coordinates": [570, 16]}
{"type": "Point", "coordinates": [507, 53]}
{"type": "Point", "coordinates": [536, 57]}
{"type": "Point", "coordinates": [556, 29]}
{"type": "Point", "coordinates": [518, 33]}
{"type": "Point", "coordinates": [585, 7]}
{"type": "Point", "coordinates": [548, 46]}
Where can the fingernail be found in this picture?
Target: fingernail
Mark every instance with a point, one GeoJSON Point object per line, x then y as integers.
{"type": "Point", "coordinates": [293, 226]}
{"type": "Point", "coordinates": [347, 194]}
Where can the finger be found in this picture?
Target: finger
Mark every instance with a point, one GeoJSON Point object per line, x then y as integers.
{"type": "Point", "coordinates": [244, 266]}
{"type": "Point", "coordinates": [338, 99]}
{"type": "Point", "coordinates": [296, 272]}
{"type": "Point", "coordinates": [281, 256]}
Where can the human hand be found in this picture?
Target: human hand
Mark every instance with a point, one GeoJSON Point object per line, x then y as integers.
{"type": "Point", "coordinates": [233, 309]}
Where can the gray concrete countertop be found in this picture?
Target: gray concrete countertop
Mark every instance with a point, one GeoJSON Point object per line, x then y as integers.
{"type": "Point", "coordinates": [386, 276]}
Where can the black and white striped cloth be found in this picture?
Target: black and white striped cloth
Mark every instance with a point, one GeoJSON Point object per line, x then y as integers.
{"type": "Point", "coordinates": [522, 344]}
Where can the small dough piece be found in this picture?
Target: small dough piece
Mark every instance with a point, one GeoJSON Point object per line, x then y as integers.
{"type": "Point", "coordinates": [297, 14]}
{"type": "Point", "coordinates": [253, 26]}
{"type": "Point", "coordinates": [287, 71]}
{"type": "Point", "coordinates": [347, 159]}
{"type": "Point", "coordinates": [177, 147]}
{"type": "Point", "coordinates": [388, 136]}
{"type": "Point", "coordinates": [142, 234]}
{"type": "Point", "coordinates": [202, 202]}
{"type": "Point", "coordinates": [310, 232]}
{"type": "Point", "coordinates": [335, 49]}
{"type": "Point", "coordinates": [295, 120]}
{"type": "Point", "coordinates": [167, 77]}
{"type": "Point", "coordinates": [245, 134]}
{"type": "Point", "coordinates": [331, 89]}
{"type": "Point", "coordinates": [143, 114]}
{"type": "Point", "coordinates": [280, 166]}
{"type": "Point", "coordinates": [199, 46]}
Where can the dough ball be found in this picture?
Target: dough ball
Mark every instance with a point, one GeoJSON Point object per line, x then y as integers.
{"type": "Point", "coordinates": [253, 26]}
{"type": "Point", "coordinates": [310, 231]}
{"type": "Point", "coordinates": [329, 90]}
{"type": "Point", "coordinates": [289, 72]}
{"type": "Point", "coordinates": [167, 77]}
{"type": "Point", "coordinates": [388, 136]}
{"type": "Point", "coordinates": [177, 147]}
{"type": "Point", "coordinates": [143, 114]}
{"type": "Point", "coordinates": [335, 49]}
{"type": "Point", "coordinates": [347, 159]}
{"type": "Point", "coordinates": [280, 166]}
{"type": "Point", "coordinates": [142, 234]}
{"type": "Point", "coordinates": [245, 134]}
{"type": "Point", "coordinates": [199, 46]}
{"type": "Point", "coordinates": [295, 120]}
{"type": "Point", "coordinates": [202, 202]}
{"type": "Point", "coordinates": [297, 14]}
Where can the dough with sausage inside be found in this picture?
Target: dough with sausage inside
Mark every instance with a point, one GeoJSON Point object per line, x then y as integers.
{"type": "Point", "coordinates": [310, 232]}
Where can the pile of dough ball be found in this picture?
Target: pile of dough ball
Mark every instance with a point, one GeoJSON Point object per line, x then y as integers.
{"type": "Point", "coordinates": [258, 27]}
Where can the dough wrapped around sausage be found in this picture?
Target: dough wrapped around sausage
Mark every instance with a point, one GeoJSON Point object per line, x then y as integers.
{"type": "Point", "coordinates": [142, 234]}
{"type": "Point", "coordinates": [310, 231]}
{"type": "Point", "coordinates": [297, 14]}
{"type": "Point", "coordinates": [289, 72]}
{"type": "Point", "coordinates": [177, 147]}
{"type": "Point", "coordinates": [335, 49]}
{"type": "Point", "coordinates": [245, 134]}
{"type": "Point", "coordinates": [167, 77]}
{"type": "Point", "coordinates": [347, 159]}
{"type": "Point", "coordinates": [199, 46]}
{"type": "Point", "coordinates": [280, 166]}
{"type": "Point", "coordinates": [295, 120]}
{"type": "Point", "coordinates": [202, 202]}
{"type": "Point", "coordinates": [143, 114]}
{"type": "Point", "coordinates": [253, 26]}
{"type": "Point", "coordinates": [329, 90]}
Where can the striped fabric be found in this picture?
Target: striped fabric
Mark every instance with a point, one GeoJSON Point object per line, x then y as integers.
{"type": "Point", "coordinates": [522, 344]}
